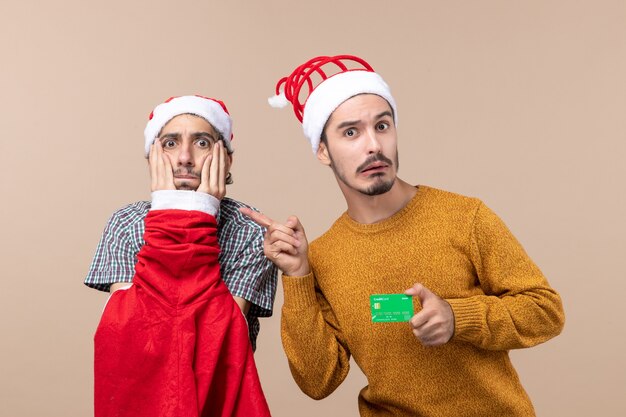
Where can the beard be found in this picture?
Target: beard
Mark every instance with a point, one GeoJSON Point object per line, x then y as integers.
{"type": "Point", "coordinates": [186, 183]}
{"type": "Point", "coordinates": [380, 185]}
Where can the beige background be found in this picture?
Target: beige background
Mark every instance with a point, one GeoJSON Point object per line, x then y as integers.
{"type": "Point", "coordinates": [522, 104]}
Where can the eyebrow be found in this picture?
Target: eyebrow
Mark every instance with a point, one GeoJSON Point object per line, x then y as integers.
{"type": "Point", "coordinates": [347, 123]}
{"type": "Point", "coordinates": [175, 135]}
{"type": "Point", "coordinates": [199, 134]}
{"type": "Point", "coordinates": [354, 122]}
{"type": "Point", "coordinates": [385, 113]}
{"type": "Point", "coordinates": [169, 136]}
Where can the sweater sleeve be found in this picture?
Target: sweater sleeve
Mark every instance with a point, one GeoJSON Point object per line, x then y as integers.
{"type": "Point", "coordinates": [316, 350]}
{"type": "Point", "coordinates": [519, 308]}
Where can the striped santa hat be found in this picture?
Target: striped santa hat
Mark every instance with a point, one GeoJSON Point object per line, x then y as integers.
{"type": "Point", "coordinates": [317, 87]}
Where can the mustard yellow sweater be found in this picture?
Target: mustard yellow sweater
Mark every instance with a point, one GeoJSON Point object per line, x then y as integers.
{"type": "Point", "coordinates": [460, 250]}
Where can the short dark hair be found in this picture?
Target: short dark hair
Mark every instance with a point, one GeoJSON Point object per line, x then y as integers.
{"type": "Point", "coordinates": [323, 137]}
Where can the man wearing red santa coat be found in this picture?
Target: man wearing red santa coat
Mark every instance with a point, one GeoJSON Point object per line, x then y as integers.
{"type": "Point", "coordinates": [175, 342]}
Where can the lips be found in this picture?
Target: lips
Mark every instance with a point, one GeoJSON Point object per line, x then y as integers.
{"type": "Point", "coordinates": [374, 162]}
{"type": "Point", "coordinates": [186, 174]}
{"type": "Point", "coordinates": [374, 166]}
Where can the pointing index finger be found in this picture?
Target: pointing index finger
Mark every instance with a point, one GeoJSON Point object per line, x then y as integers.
{"type": "Point", "coordinates": [255, 216]}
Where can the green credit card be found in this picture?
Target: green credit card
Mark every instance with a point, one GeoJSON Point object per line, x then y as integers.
{"type": "Point", "coordinates": [387, 308]}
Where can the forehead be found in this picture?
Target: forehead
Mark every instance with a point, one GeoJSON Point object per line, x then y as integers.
{"type": "Point", "coordinates": [187, 122]}
{"type": "Point", "coordinates": [360, 107]}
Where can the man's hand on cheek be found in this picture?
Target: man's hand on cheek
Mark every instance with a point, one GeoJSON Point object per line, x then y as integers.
{"type": "Point", "coordinates": [161, 172]}
{"type": "Point", "coordinates": [214, 172]}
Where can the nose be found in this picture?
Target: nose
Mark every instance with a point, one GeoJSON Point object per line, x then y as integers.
{"type": "Point", "coordinates": [185, 156]}
{"type": "Point", "coordinates": [373, 144]}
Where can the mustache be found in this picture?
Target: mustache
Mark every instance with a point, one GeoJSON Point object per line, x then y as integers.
{"type": "Point", "coordinates": [374, 158]}
{"type": "Point", "coordinates": [186, 172]}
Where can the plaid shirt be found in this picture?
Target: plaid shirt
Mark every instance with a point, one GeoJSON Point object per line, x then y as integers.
{"type": "Point", "coordinates": [245, 270]}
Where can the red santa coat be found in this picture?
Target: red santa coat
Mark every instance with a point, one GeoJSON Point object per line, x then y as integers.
{"type": "Point", "coordinates": [176, 343]}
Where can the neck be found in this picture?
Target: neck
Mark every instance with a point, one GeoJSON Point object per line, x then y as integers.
{"type": "Point", "coordinates": [369, 209]}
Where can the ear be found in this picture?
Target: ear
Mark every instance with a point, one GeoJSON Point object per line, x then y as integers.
{"type": "Point", "coordinates": [322, 154]}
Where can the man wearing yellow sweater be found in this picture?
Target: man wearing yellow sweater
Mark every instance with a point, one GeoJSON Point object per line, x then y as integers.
{"type": "Point", "coordinates": [475, 291]}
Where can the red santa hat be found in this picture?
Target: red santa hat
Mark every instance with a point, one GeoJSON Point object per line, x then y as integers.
{"type": "Point", "coordinates": [342, 77]}
{"type": "Point", "coordinates": [212, 110]}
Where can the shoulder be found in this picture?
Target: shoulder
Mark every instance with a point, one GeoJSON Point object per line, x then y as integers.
{"type": "Point", "coordinates": [232, 221]}
{"type": "Point", "coordinates": [447, 200]}
{"type": "Point", "coordinates": [128, 220]}
{"type": "Point", "coordinates": [131, 213]}
{"type": "Point", "coordinates": [465, 214]}
{"type": "Point", "coordinates": [448, 210]}
{"type": "Point", "coordinates": [127, 223]}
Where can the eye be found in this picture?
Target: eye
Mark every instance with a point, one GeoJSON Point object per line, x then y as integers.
{"type": "Point", "coordinates": [205, 142]}
{"type": "Point", "coordinates": [168, 143]}
{"type": "Point", "coordinates": [350, 132]}
{"type": "Point", "coordinates": [382, 126]}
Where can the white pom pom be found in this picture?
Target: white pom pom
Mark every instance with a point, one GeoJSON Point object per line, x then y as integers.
{"type": "Point", "coordinates": [279, 101]}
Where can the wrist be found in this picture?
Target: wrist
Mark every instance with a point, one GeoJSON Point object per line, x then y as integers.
{"type": "Point", "coordinates": [301, 271]}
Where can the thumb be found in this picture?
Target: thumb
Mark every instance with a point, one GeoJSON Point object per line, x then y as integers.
{"type": "Point", "coordinates": [421, 292]}
{"type": "Point", "coordinates": [294, 223]}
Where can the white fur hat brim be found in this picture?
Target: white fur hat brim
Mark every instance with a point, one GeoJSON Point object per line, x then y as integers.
{"type": "Point", "coordinates": [208, 109]}
{"type": "Point", "coordinates": [329, 95]}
